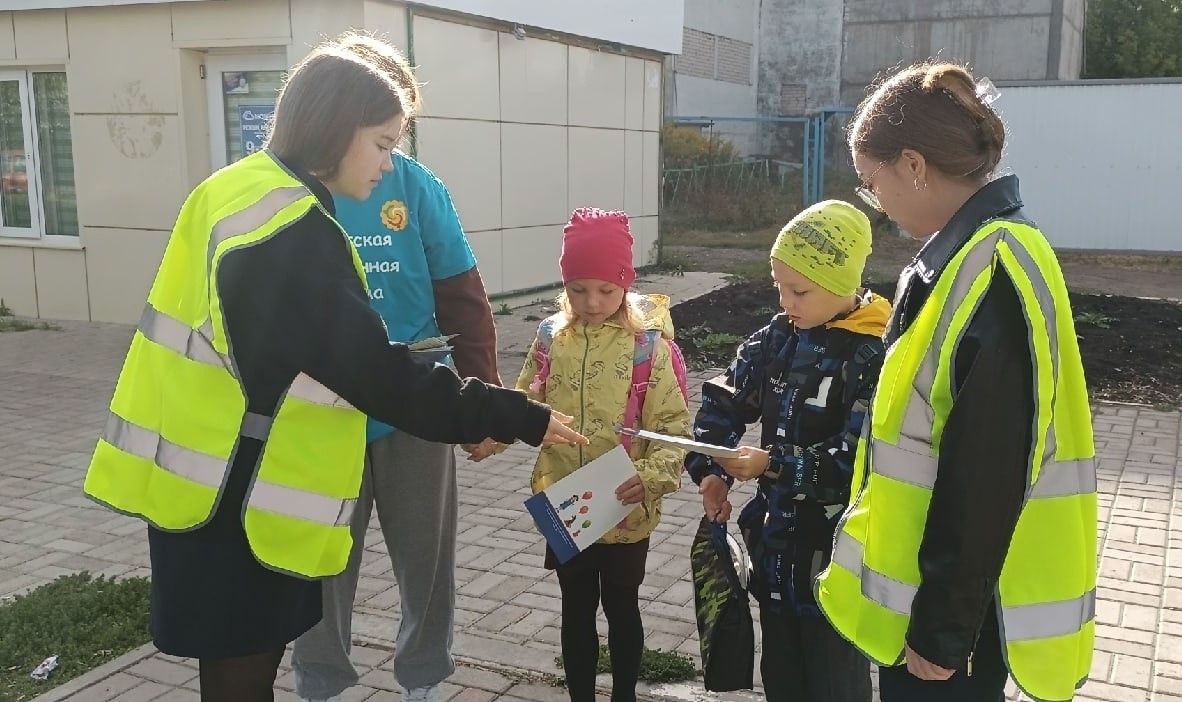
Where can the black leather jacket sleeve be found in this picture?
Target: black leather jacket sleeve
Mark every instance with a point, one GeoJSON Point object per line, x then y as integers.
{"type": "Point", "coordinates": [295, 301]}
{"type": "Point", "coordinates": [981, 480]}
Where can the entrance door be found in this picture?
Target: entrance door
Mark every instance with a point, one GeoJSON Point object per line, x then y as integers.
{"type": "Point", "coordinates": [241, 89]}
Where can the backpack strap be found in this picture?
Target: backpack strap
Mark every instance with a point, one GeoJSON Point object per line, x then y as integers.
{"type": "Point", "coordinates": [642, 370]}
{"type": "Point", "coordinates": [677, 360]}
{"type": "Point", "coordinates": [542, 343]}
{"type": "Point", "coordinates": [862, 359]}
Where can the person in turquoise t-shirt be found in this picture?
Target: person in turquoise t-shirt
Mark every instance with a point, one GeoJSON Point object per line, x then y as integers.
{"type": "Point", "coordinates": [423, 282]}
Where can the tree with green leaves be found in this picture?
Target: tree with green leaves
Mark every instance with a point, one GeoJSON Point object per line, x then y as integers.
{"type": "Point", "coordinates": [1133, 39]}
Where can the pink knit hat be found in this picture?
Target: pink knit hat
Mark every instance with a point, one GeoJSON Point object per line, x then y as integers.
{"type": "Point", "coordinates": [598, 245]}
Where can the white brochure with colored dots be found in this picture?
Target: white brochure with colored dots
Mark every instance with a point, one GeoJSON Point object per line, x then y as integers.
{"type": "Point", "coordinates": [576, 511]}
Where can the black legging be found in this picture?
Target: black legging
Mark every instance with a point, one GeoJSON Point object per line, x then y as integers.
{"type": "Point", "coordinates": [240, 679]}
{"type": "Point", "coordinates": [582, 591]}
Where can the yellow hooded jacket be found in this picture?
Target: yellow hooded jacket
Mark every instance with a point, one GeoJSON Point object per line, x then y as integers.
{"type": "Point", "coordinates": [590, 373]}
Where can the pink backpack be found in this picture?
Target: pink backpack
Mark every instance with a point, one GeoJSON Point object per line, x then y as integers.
{"type": "Point", "coordinates": [642, 369]}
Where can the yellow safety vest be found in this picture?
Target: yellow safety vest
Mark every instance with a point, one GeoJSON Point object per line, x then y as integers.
{"type": "Point", "coordinates": [179, 410]}
{"type": "Point", "coordinates": [1047, 590]}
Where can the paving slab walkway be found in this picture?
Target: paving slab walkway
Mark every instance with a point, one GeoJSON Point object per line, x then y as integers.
{"type": "Point", "coordinates": [54, 390]}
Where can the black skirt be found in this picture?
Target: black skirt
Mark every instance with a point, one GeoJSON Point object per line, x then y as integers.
{"type": "Point", "coordinates": [621, 564]}
{"type": "Point", "coordinates": [211, 598]}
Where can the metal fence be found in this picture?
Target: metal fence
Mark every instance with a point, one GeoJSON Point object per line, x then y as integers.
{"type": "Point", "coordinates": [756, 171]}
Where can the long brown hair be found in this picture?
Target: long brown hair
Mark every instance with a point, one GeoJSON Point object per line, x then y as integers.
{"type": "Point", "coordinates": [388, 58]}
{"type": "Point", "coordinates": [326, 98]}
{"type": "Point", "coordinates": [934, 109]}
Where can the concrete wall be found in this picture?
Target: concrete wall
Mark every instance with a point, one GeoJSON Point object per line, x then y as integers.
{"type": "Point", "coordinates": [649, 24]}
{"type": "Point", "coordinates": [799, 68]}
{"type": "Point", "coordinates": [812, 54]}
{"type": "Point", "coordinates": [715, 74]}
{"type": "Point", "coordinates": [800, 45]}
{"type": "Point", "coordinates": [1003, 39]}
{"type": "Point", "coordinates": [524, 131]}
{"type": "Point", "coordinates": [520, 130]}
{"type": "Point", "coordinates": [1068, 63]}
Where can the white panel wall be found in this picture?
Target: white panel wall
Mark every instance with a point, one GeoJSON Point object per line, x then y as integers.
{"type": "Point", "coordinates": [1100, 164]}
{"type": "Point", "coordinates": [525, 130]}
{"type": "Point", "coordinates": [649, 24]}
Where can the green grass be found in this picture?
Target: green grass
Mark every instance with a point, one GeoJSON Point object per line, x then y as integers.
{"type": "Point", "coordinates": [707, 339]}
{"type": "Point", "coordinates": [675, 263]}
{"type": "Point", "coordinates": [656, 666]}
{"type": "Point", "coordinates": [748, 272]}
{"type": "Point", "coordinates": [1095, 319]}
{"type": "Point", "coordinates": [85, 621]}
{"type": "Point", "coordinates": [11, 324]}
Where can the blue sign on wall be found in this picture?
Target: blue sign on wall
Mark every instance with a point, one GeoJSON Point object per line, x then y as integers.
{"type": "Point", "coordinates": [252, 125]}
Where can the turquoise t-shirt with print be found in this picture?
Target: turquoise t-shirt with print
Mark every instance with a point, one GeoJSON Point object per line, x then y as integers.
{"type": "Point", "coordinates": [408, 235]}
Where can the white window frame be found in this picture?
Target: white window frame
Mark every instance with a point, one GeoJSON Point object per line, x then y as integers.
{"type": "Point", "coordinates": [215, 64]}
{"type": "Point", "coordinates": [23, 78]}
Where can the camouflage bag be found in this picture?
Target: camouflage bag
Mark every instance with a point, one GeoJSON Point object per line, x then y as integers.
{"type": "Point", "coordinates": [721, 570]}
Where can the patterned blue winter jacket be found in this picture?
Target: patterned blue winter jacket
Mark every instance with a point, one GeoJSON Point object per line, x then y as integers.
{"type": "Point", "coordinates": [809, 389]}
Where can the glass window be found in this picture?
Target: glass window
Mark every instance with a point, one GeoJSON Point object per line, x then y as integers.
{"type": "Point", "coordinates": [15, 208]}
{"type": "Point", "coordinates": [55, 155]}
{"type": "Point", "coordinates": [37, 193]}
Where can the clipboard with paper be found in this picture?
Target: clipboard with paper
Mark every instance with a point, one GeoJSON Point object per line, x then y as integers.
{"type": "Point", "coordinates": [432, 350]}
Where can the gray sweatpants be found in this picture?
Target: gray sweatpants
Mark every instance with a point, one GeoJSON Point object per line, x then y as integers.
{"type": "Point", "coordinates": [413, 483]}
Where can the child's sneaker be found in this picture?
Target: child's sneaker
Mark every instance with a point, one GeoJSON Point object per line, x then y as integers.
{"type": "Point", "coordinates": [422, 694]}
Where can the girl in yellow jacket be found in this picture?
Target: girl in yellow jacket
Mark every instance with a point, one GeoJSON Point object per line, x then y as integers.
{"type": "Point", "coordinates": [582, 363]}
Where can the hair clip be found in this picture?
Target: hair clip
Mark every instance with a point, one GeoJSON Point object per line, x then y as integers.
{"type": "Point", "coordinates": [987, 92]}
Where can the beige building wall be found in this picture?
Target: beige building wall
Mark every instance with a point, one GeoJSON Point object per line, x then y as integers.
{"type": "Point", "coordinates": [525, 130]}
{"type": "Point", "coordinates": [521, 130]}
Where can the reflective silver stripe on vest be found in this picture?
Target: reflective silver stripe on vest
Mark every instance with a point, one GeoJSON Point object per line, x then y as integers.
{"type": "Point", "coordinates": [209, 471]}
{"type": "Point", "coordinates": [1065, 479]}
{"type": "Point", "coordinates": [1042, 291]}
{"type": "Point", "coordinates": [1025, 623]}
{"type": "Point", "coordinates": [1056, 479]}
{"type": "Point", "coordinates": [171, 333]}
{"type": "Point", "coordinates": [255, 426]}
{"type": "Point", "coordinates": [251, 218]}
{"type": "Point", "coordinates": [976, 260]}
{"type": "Point", "coordinates": [189, 464]}
{"type": "Point", "coordinates": [308, 506]}
{"type": "Point", "coordinates": [1049, 619]}
{"type": "Point", "coordinates": [306, 388]}
{"type": "Point", "coordinates": [917, 419]}
{"type": "Point", "coordinates": [877, 587]}
{"type": "Point", "coordinates": [1046, 302]}
{"type": "Point", "coordinates": [910, 461]}
{"type": "Point", "coordinates": [916, 466]}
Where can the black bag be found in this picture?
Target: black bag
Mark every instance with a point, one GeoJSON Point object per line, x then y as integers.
{"type": "Point", "coordinates": [721, 570]}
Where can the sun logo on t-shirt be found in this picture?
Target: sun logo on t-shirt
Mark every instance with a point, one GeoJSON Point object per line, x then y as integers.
{"type": "Point", "coordinates": [394, 215]}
